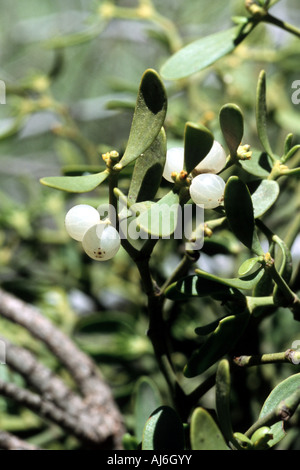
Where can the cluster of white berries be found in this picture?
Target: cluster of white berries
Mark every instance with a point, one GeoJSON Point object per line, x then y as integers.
{"type": "Point", "coordinates": [207, 188]}
{"type": "Point", "coordinates": [100, 240]}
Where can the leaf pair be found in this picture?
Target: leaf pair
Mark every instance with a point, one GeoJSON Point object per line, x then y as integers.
{"type": "Point", "coordinates": [148, 119]}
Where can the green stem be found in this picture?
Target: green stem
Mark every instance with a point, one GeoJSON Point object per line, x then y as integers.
{"type": "Point", "coordinates": [290, 356]}
{"type": "Point", "coordinates": [256, 302]}
{"type": "Point", "coordinates": [158, 336]}
{"type": "Point", "coordinates": [281, 24]}
{"type": "Point", "coordinates": [179, 272]}
{"type": "Point", "coordinates": [289, 295]}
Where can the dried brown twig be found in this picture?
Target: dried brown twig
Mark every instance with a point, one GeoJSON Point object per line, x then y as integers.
{"type": "Point", "coordinates": [92, 414]}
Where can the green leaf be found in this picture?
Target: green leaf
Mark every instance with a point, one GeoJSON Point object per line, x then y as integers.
{"type": "Point", "coordinates": [247, 265]}
{"type": "Point", "coordinates": [199, 54]}
{"type": "Point", "coordinates": [163, 431]}
{"type": "Point", "coordinates": [160, 221]}
{"type": "Point", "coordinates": [130, 442]}
{"type": "Point", "coordinates": [232, 125]}
{"type": "Point", "coordinates": [148, 170]}
{"type": "Point", "coordinates": [218, 343]}
{"type": "Point", "coordinates": [261, 437]}
{"type": "Point", "coordinates": [209, 328]}
{"type": "Point", "coordinates": [257, 165]}
{"type": "Point", "coordinates": [223, 387]}
{"type": "Point", "coordinates": [240, 215]}
{"type": "Point", "coordinates": [261, 114]}
{"type": "Point", "coordinates": [281, 392]}
{"type": "Point", "coordinates": [75, 184]}
{"type": "Point", "coordinates": [245, 282]}
{"type": "Point", "coordinates": [146, 398]}
{"type": "Point", "coordinates": [198, 141]}
{"type": "Point", "coordinates": [148, 118]}
{"type": "Point", "coordinates": [195, 286]}
{"type": "Point", "coordinates": [264, 197]}
{"type": "Point", "coordinates": [285, 270]}
{"type": "Point", "coordinates": [205, 434]}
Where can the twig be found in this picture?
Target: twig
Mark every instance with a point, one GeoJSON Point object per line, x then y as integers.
{"type": "Point", "coordinates": [290, 355]}
{"type": "Point", "coordinates": [52, 389]}
{"type": "Point", "coordinates": [47, 410]}
{"type": "Point", "coordinates": [106, 418]}
{"type": "Point", "coordinates": [10, 442]}
{"type": "Point", "coordinates": [49, 385]}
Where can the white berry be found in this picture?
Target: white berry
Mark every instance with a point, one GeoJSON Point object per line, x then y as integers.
{"type": "Point", "coordinates": [174, 162]}
{"type": "Point", "coordinates": [207, 189]}
{"type": "Point", "coordinates": [101, 242]}
{"type": "Point", "coordinates": [214, 161]}
{"type": "Point", "coordinates": [79, 219]}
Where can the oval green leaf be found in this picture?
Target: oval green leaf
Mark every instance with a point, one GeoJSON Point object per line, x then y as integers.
{"type": "Point", "coordinates": [205, 434]}
{"type": "Point", "coordinates": [261, 114]}
{"type": "Point", "coordinates": [240, 215]}
{"type": "Point", "coordinates": [232, 125]}
{"type": "Point", "coordinates": [264, 197]}
{"type": "Point", "coordinates": [281, 392]}
{"type": "Point", "coordinates": [148, 170]}
{"type": "Point", "coordinates": [148, 118]}
{"type": "Point", "coordinates": [146, 399]}
{"type": "Point", "coordinates": [198, 141]}
{"type": "Point", "coordinates": [199, 54]}
{"type": "Point", "coordinates": [223, 387]}
{"type": "Point", "coordinates": [163, 431]}
{"type": "Point", "coordinates": [247, 265]}
{"type": "Point", "coordinates": [219, 343]}
{"type": "Point", "coordinates": [75, 184]}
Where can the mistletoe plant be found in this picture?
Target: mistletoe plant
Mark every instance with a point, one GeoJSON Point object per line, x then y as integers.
{"type": "Point", "coordinates": [195, 177]}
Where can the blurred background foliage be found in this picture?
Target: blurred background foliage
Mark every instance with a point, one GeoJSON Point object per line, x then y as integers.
{"type": "Point", "coordinates": [72, 71]}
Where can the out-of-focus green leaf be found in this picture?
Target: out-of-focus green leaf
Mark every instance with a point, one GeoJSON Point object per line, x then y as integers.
{"type": "Point", "coordinates": [148, 170]}
{"type": "Point", "coordinates": [205, 434]}
{"type": "Point", "coordinates": [146, 399]}
{"type": "Point", "coordinates": [264, 197]}
{"type": "Point", "coordinates": [75, 184]}
{"type": "Point", "coordinates": [130, 442]}
{"type": "Point", "coordinates": [199, 54]}
{"type": "Point", "coordinates": [239, 212]}
{"type": "Point", "coordinates": [148, 118]}
{"type": "Point", "coordinates": [232, 125]}
{"type": "Point", "coordinates": [281, 392]}
{"type": "Point", "coordinates": [261, 114]}
{"type": "Point", "coordinates": [198, 141]}
{"type": "Point", "coordinates": [163, 431]}
{"type": "Point", "coordinates": [217, 344]}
